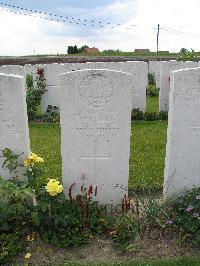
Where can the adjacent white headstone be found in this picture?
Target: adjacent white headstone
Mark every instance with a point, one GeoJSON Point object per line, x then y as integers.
{"type": "Point", "coordinates": [13, 118]}
{"type": "Point", "coordinates": [12, 70]}
{"type": "Point", "coordinates": [154, 68]}
{"type": "Point", "coordinates": [29, 69]}
{"type": "Point", "coordinates": [95, 129]}
{"type": "Point", "coordinates": [166, 68]}
{"type": "Point", "coordinates": [52, 96]}
{"type": "Point", "coordinates": [52, 71]}
{"type": "Point", "coordinates": [182, 164]}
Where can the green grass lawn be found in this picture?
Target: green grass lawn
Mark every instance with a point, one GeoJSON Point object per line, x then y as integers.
{"type": "Point", "coordinates": [152, 104]}
{"type": "Point", "coordinates": [147, 151]}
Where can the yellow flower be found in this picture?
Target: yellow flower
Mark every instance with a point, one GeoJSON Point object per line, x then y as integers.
{"type": "Point", "coordinates": [28, 255]}
{"type": "Point", "coordinates": [53, 187]}
{"type": "Point", "coordinates": [32, 159]}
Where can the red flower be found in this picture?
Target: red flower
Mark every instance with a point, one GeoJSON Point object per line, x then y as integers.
{"type": "Point", "coordinates": [90, 190]}
{"type": "Point", "coordinates": [70, 192]}
{"type": "Point", "coordinates": [79, 201]}
{"type": "Point", "coordinates": [95, 193]}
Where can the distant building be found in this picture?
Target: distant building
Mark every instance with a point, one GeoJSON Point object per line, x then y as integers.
{"type": "Point", "coordinates": [91, 50]}
{"type": "Point", "coordinates": [142, 51]}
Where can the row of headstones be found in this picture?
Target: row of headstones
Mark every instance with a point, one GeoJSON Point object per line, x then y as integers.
{"type": "Point", "coordinates": [139, 70]}
{"type": "Point", "coordinates": [96, 126]}
{"type": "Point", "coordinates": [161, 70]}
{"type": "Point", "coordinates": [95, 111]}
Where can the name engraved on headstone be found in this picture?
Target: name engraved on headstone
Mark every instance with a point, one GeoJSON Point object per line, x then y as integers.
{"type": "Point", "coordinates": [94, 116]}
{"type": "Point", "coordinates": [100, 131]}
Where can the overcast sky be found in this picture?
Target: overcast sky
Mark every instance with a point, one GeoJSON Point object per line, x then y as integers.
{"type": "Point", "coordinates": [22, 35]}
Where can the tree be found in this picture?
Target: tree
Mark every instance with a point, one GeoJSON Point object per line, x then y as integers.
{"type": "Point", "coordinates": [186, 55]}
{"type": "Point", "coordinates": [70, 50]}
{"type": "Point", "coordinates": [75, 49]}
{"type": "Point", "coordinates": [81, 49]}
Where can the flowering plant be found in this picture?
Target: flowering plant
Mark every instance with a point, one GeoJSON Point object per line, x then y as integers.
{"type": "Point", "coordinates": [54, 187]}
{"type": "Point", "coordinates": [32, 160]}
{"type": "Point", "coordinates": [68, 220]}
{"type": "Point", "coordinates": [185, 214]}
{"type": "Point", "coordinates": [34, 170]}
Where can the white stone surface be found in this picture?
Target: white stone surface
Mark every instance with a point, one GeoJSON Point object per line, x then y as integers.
{"type": "Point", "coordinates": [13, 118]}
{"type": "Point", "coordinates": [166, 68]}
{"type": "Point", "coordinates": [28, 69]}
{"type": "Point", "coordinates": [52, 96]}
{"type": "Point", "coordinates": [95, 131]}
{"type": "Point", "coordinates": [52, 71]}
{"type": "Point", "coordinates": [51, 74]}
{"type": "Point", "coordinates": [154, 68]}
{"type": "Point", "coordinates": [182, 163]}
{"type": "Point", "coordinates": [12, 69]}
{"type": "Point", "coordinates": [138, 69]}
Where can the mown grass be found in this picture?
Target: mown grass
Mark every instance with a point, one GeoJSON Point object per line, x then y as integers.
{"type": "Point", "coordinates": [152, 104]}
{"type": "Point", "coordinates": [148, 143]}
{"type": "Point", "coordinates": [147, 151]}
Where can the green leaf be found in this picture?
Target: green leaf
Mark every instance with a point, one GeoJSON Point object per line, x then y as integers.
{"type": "Point", "coordinates": [35, 218]}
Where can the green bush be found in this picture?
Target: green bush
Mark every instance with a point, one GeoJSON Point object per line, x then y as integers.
{"type": "Point", "coordinates": [147, 116]}
{"type": "Point", "coordinates": [126, 232]}
{"type": "Point", "coordinates": [33, 95]}
{"type": "Point", "coordinates": [29, 81]}
{"type": "Point", "coordinates": [151, 79]}
{"type": "Point", "coordinates": [14, 218]}
{"type": "Point", "coordinates": [51, 115]}
{"type": "Point", "coordinates": [186, 55]}
{"type": "Point", "coordinates": [184, 215]}
{"type": "Point", "coordinates": [65, 222]}
{"type": "Point", "coordinates": [152, 90]}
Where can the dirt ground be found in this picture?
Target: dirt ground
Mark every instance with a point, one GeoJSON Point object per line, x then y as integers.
{"type": "Point", "coordinates": [102, 249]}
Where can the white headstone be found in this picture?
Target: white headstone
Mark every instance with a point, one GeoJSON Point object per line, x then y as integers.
{"type": "Point", "coordinates": [29, 69]}
{"type": "Point", "coordinates": [12, 70]}
{"type": "Point", "coordinates": [52, 96]}
{"type": "Point", "coordinates": [154, 68]}
{"type": "Point", "coordinates": [182, 163]}
{"type": "Point", "coordinates": [52, 71]}
{"type": "Point", "coordinates": [166, 68]}
{"type": "Point", "coordinates": [138, 69]}
{"type": "Point", "coordinates": [95, 130]}
{"type": "Point", "coordinates": [13, 118]}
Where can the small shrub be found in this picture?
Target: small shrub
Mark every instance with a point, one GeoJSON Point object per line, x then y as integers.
{"type": "Point", "coordinates": [148, 116]}
{"type": "Point", "coordinates": [51, 115]}
{"type": "Point", "coordinates": [184, 215]}
{"type": "Point", "coordinates": [152, 90]}
{"type": "Point", "coordinates": [33, 95]}
{"type": "Point", "coordinates": [66, 222]}
{"type": "Point", "coordinates": [137, 114]}
{"type": "Point", "coordinates": [126, 232]}
{"type": "Point", "coordinates": [14, 217]}
{"type": "Point", "coordinates": [151, 79]}
{"type": "Point", "coordinates": [186, 55]}
{"type": "Point", "coordinates": [10, 246]}
{"type": "Point", "coordinates": [29, 81]}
